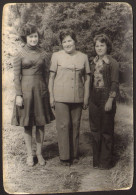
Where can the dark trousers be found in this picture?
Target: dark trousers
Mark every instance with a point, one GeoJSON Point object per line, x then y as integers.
{"type": "Point", "coordinates": [102, 127]}
{"type": "Point", "coordinates": [68, 117]}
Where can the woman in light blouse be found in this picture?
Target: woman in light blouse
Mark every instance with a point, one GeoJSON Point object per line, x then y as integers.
{"type": "Point", "coordinates": [69, 93]}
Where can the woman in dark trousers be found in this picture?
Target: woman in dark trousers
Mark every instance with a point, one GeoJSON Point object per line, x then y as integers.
{"type": "Point", "coordinates": [32, 106]}
{"type": "Point", "coordinates": [68, 94]}
{"type": "Point", "coordinates": [102, 103]}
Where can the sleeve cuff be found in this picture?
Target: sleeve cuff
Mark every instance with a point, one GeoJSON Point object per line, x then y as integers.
{"type": "Point", "coordinates": [52, 71]}
{"type": "Point", "coordinates": [112, 94]}
{"type": "Point", "coordinates": [19, 93]}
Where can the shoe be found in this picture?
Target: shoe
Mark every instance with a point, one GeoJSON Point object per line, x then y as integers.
{"type": "Point", "coordinates": [30, 161]}
{"type": "Point", "coordinates": [104, 168]}
{"type": "Point", "coordinates": [109, 166]}
{"type": "Point", "coordinates": [75, 161]}
{"type": "Point", "coordinates": [65, 162]}
{"type": "Point", "coordinates": [96, 167]}
{"type": "Point", "coordinates": [41, 160]}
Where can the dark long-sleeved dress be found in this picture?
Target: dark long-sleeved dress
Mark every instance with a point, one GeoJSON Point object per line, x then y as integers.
{"type": "Point", "coordinates": [104, 84]}
{"type": "Point", "coordinates": [31, 82]}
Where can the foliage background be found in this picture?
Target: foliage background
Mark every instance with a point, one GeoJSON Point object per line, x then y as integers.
{"type": "Point", "coordinates": [86, 19]}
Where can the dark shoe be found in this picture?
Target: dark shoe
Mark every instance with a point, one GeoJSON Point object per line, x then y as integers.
{"type": "Point", "coordinates": [109, 166]}
{"type": "Point", "coordinates": [65, 162]}
{"type": "Point", "coordinates": [96, 167]}
{"type": "Point", "coordinates": [75, 161]}
{"type": "Point", "coordinates": [105, 167]}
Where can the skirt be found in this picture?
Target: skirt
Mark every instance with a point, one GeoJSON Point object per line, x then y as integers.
{"type": "Point", "coordinates": [36, 110]}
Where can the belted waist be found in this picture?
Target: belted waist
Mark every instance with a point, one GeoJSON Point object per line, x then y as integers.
{"type": "Point", "coordinates": [69, 68]}
{"type": "Point", "coordinates": [34, 75]}
{"type": "Point", "coordinates": [100, 89]}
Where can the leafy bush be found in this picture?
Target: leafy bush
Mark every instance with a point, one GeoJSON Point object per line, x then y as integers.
{"type": "Point", "coordinates": [86, 19]}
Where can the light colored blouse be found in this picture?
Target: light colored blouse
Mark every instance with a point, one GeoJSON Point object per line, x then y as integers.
{"type": "Point", "coordinates": [70, 70]}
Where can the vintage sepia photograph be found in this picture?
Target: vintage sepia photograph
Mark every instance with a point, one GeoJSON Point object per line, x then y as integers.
{"type": "Point", "coordinates": [67, 97]}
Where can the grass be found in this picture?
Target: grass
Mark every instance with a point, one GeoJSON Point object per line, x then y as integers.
{"type": "Point", "coordinates": [122, 176]}
{"type": "Point", "coordinates": [18, 178]}
{"type": "Point", "coordinates": [54, 178]}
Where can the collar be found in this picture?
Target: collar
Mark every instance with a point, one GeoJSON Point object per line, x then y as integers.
{"type": "Point", "coordinates": [105, 59]}
{"type": "Point", "coordinates": [31, 47]}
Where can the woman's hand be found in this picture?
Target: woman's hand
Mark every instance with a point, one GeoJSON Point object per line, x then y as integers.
{"type": "Point", "coordinates": [19, 101]}
{"type": "Point", "coordinates": [52, 102]}
{"type": "Point", "coordinates": [108, 105]}
{"type": "Point", "coordinates": [51, 89]}
{"type": "Point", "coordinates": [86, 91]}
{"type": "Point", "coordinates": [85, 104]}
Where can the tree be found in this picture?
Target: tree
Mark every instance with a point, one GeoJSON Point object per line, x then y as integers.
{"type": "Point", "coordinates": [87, 20]}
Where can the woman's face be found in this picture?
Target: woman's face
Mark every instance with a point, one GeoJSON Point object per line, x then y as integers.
{"type": "Point", "coordinates": [68, 44]}
{"type": "Point", "coordinates": [32, 39]}
{"type": "Point", "coordinates": [100, 48]}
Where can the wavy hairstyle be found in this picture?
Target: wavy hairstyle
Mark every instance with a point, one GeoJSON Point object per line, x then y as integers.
{"type": "Point", "coordinates": [28, 29]}
{"type": "Point", "coordinates": [103, 39]}
{"type": "Point", "coordinates": [67, 32]}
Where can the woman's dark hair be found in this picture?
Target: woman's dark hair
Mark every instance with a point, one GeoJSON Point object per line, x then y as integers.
{"type": "Point", "coordinates": [65, 33]}
{"type": "Point", "coordinates": [27, 30]}
{"type": "Point", "coordinates": [104, 39]}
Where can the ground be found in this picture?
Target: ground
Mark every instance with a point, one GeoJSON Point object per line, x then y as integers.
{"type": "Point", "coordinates": [53, 177]}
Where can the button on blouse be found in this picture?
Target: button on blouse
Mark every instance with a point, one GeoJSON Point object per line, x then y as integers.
{"type": "Point", "coordinates": [70, 70]}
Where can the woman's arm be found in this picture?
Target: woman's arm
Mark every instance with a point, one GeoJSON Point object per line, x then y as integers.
{"type": "Point", "coordinates": [114, 84]}
{"type": "Point", "coordinates": [17, 79]}
{"type": "Point", "coordinates": [86, 91]}
{"type": "Point", "coordinates": [46, 67]}
{"type": "Point", "coordinates": [53, 70]}
{"type": "Point", "coordinates": [86, 83]}
{"type": "Point", "coordinates": [51, 87]}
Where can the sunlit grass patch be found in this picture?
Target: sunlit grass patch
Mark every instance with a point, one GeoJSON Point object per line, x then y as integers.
{"type": "Point", "coordinates": [122, 174]}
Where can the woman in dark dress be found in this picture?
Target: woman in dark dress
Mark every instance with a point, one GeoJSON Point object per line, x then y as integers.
{"type": "Point", "coordinates": [102, 105]}
{"type": "Point", "coordinates": [32, 106]}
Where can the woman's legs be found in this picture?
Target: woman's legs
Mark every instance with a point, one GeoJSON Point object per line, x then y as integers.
{"type": "Point", "coordinates": [107, 139]}
{"type": "Point", "coordinates": [102, 127]}
{"type": "Point", "coordinates": [39, 143]}
{"type": "Point", "coordinates": [75, 112]}
{"type": "Point", "coordinates": [67, 122]}
{"type": "Point", "coordinates": [28, 142]}
{"type": "Point", "coordinates": [63, 124]}
{"type": "Point", "coordinates": [95, 126]}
